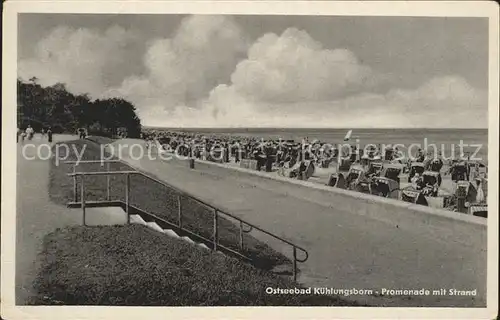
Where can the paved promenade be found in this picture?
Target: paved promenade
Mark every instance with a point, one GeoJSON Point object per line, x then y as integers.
{"type": "Point", "coordinates": [347, 250]}
{"type": "Point", "coordinates": [36, 215]}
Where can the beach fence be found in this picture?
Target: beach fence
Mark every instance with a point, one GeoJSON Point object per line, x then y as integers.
{"type": "Point", "coordinates": [107, 183]}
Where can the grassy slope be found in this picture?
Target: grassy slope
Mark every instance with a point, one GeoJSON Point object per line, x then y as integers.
{"type": "Point", "coordinates": [133, 265]}
{"type": "Point", "coordinates": [157, 199]}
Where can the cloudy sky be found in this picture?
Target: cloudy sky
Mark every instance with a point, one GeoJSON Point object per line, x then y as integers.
{"type": "Point", "coordinates": [271, 71]}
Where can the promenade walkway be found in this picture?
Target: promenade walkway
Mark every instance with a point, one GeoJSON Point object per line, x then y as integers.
{"type": "Point", "coordinates": [36, 215]}
{"type": "Point", "coordinates": [347, 250]}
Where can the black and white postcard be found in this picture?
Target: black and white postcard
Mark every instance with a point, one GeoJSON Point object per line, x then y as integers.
{"type": "Point", "coordinates": [250, 159]}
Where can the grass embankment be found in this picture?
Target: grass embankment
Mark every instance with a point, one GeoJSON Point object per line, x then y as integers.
{"type": "Point", "coordinates": [136, 266]}
{"type": "Point", "coordinates": [156, 199]}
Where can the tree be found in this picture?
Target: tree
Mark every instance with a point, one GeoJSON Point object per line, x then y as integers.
{"type": "Point", "coordinates": [56, 106]}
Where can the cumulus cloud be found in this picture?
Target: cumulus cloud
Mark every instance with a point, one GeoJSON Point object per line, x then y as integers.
{"type": "Point", "coordinates": [294, 67]}
{"type": "Point", "coordinates": [290, 80]}
{"type": "Point", "coordinates": [86, 60]}
{"type": "Point", "coordinates": [440, 102]}
{"type": "Point", "coordinates": [185, 68]}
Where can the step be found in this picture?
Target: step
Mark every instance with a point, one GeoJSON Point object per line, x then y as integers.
{"type": "Point", "coordinates": [188, 240]}
{"type": "Point", "coordinates": [170, 233]}
{"type": "Point", "coordinates": [135, 218]}
{"type": "Point", "coordinates": [204, 246]}
{"type": "Point", "coordinates": [283, 269]}
{"type": "Point", "coordinates": [155, 226]}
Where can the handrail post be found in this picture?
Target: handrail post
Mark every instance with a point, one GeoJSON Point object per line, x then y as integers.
{"type": "Point", "coordinates": [241, 235]}
{"type": "Point", "coordinates": [294, 263]}
{"type": "Point", "coordinates": [108, 197]}
{"type": "Point", "coordinates": [127, 196]}
{"type": "Point", "coordinates": [179, 203]}
{"type": "Point", "coordinates": [216, 231]}
{"type": "Point", "coordinates": [83, 198]}
{"type": "Point", "coordinates": [75, 191]}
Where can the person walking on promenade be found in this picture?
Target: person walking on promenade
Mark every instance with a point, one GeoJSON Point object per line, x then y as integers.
{"type": "Point", "coordinates": [49, 135]}
{"type": "Point", "coordinates": [30, 132]}
{"type": "Point", "coordinates": [23, 136]}
{"type": "Point", "coordinates": [81, 133]}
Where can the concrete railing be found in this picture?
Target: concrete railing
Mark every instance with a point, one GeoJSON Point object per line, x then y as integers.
{"type": "Point", "coordinates": [352, 200]}
{"type": "Point", "coordinates": [443, 224]}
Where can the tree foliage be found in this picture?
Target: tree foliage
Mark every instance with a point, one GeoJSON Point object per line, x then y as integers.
{"type": "Point", "coordinates": [56, 107]}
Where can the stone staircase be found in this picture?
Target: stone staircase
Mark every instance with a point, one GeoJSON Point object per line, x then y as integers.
{"type": "Point", "coordinates": [137, 219]}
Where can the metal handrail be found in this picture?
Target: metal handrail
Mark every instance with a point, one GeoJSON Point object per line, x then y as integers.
{"type": "Point", "coordinates": [93, 161]}
{"type": "Point", "coordinates": [102, 173]}
{"type": "Point", "coordinates": [252, 226]}
{"type": "Point", "coordinates": [180, 192]}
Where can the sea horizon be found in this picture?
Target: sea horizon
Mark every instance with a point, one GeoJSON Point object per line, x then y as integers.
{"type": "Point", "coordinates": [312, 128]}
{"type": "Point", "coordinates": [446, 139]}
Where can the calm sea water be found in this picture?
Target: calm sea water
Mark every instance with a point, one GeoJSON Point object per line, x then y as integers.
{"type": "Point", "coordinates": [446, 140]}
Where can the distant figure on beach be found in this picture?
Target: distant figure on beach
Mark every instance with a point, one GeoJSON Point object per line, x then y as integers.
{"type": "Point", "coordinates": [474, 172]}
{"type": "Point", "coordinates": [480, 193]}
{"type": "Point", "coordinates": [458, 171]}
{"type": "Point", "coordinates": [237, 154]}
{"type": "Point", "coordinates": [420, 156]}
{"type": "Point", "coordinates": [435, 165]}
{"type": "Point", "coordinates": [279, 155]}
{"type": "Point", "coordinates": [415, 181]}
{"type": "Point", "coordinates": [43, 133]}
{"type": "Point", "coordinates": [226, 151]}
{"type": "Point", "coordinates": [302, 169]}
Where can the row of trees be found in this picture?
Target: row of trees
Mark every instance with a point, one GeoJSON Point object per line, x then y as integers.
{"type": "Point", "coordinates": [56, 107]}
